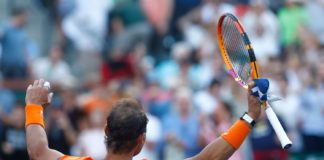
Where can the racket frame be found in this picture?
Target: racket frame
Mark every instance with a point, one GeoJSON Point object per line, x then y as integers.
{"type": "Point", "coordinates": [255, 74]}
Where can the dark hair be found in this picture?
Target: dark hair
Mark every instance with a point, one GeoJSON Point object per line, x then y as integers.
{"type": "Point", "coordinates": [126, 122]}
{"type": "Point", "coordinates": [18, 11]}
{"type": "Point", "coordinates": [214, 82]}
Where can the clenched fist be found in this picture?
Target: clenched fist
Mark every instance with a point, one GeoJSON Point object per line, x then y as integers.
{"type": "Point", "coordinates": [39, 94]}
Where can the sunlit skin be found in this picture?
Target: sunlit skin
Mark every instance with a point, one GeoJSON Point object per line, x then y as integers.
{"type": "Point", "coordinates": [37, 143]}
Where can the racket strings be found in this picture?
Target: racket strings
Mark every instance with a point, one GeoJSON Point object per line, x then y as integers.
{"type": "Point", "coordinates": [236, 49]}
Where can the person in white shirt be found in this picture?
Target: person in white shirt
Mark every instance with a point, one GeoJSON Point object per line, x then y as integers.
{"type": "Point", "coordinates": [263, 29]}
{"type": "Point", "coordinates": [207, 100]}
{"type": "Point", "coordinates": [53, 68]}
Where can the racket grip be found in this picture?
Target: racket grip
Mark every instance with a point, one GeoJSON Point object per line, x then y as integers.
{"type": "Point", "coordinates": [281, 134]}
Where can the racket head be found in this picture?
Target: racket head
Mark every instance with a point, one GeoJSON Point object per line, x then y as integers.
{"type": "Point", "coordinates": [236, 50]}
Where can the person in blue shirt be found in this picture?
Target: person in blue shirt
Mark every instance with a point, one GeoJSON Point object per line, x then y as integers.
{"type": "Point", "coordinates": [14, 41]}
{"type": "Point", "coordinates": [181, 128]}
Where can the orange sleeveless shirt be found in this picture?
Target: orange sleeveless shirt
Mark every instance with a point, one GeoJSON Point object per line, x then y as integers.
{"type": "Point", "coordinates": [75, 158]}
{"type": "Point", "coordinates": [80, 158]}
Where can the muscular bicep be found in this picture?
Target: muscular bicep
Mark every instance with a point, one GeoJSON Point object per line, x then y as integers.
{"type": "Point", "coordinates": [219, 149]}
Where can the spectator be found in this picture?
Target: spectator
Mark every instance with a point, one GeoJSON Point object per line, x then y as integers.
{"type": "Point", "coordinates": [262, 26]}
{"type": "Point", "coordinates": [207, 100]}
{"type": "Point", "coordinates": [287, 108]}
{"type": "Point", "coordinates": [96, 147]}
{"type": "Point", "coordinates": [180, 9]}
{"type": "Point", "coordinates": [143, 65]}
{"type": "Point", "coordinates": [118, 67]}
{"type": "Point", "coordinates": [176, 70]}
{"type": "Point", "coordinates": [7, 99]}
{"type": "Point", "coordinates": [128, 26]}
{"type": "Point", "coordinates": [276, 5]}
{"type": "Point", "coordinates": [315, 9]}
{"type": "Point", "coordinates": [158, 14]}
{"type": "Point", "coordinates": [72, 109]}
{"type": "Point", "coordinates": [208, 65]}
{"type": "Point", "coordinates": [157, 100]}
{"type": "Point", "coordinates": [85, 26]}
{"type": "Point", "coordinates": [215, 124]}
{"type": "Point", "coordinates": [265, 143]}
{"type": "Point", "coordinates": [13, 140]}
{"type": "Point", "coordinates": [13, 39]}
{"type": "Point", "coordinates": [64, 123]}
{"type": "Point", "coordinates": [61, 135]}
{"type": "Point", "coordinates": [206, 15]}
{"type": "Point", "coordinates": [181, 128]}
{"type": "Point", "coordinates": [291, 19]}
{"type": "Point", "coordinates": [311, 111]}
{"type": "Point", "coordinates": [53, 68]}
{"type": "Point", "coordinates": [293, 69]}
{"type": "Point", "coordinates": [7, 102]}
{"type": "Point", "coordinates": [223, 118]}
{"type": "Point", "coordinates": [95, 98]}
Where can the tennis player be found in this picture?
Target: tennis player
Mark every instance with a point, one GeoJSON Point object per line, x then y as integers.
{"type": "Point", "coordinates": [125, 129]}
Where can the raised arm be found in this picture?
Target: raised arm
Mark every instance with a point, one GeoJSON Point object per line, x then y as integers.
{"type": "Point", "coordinates": [37, 97]}
{"type": "Point", "coordinates": [223, 147]}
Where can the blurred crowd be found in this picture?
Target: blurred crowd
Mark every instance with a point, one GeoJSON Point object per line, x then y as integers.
{"type": "Point", "coordinates": [163, 53]}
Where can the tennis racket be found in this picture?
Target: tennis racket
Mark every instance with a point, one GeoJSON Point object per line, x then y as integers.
{"type": "Point", "coordinates": [240, 61]}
